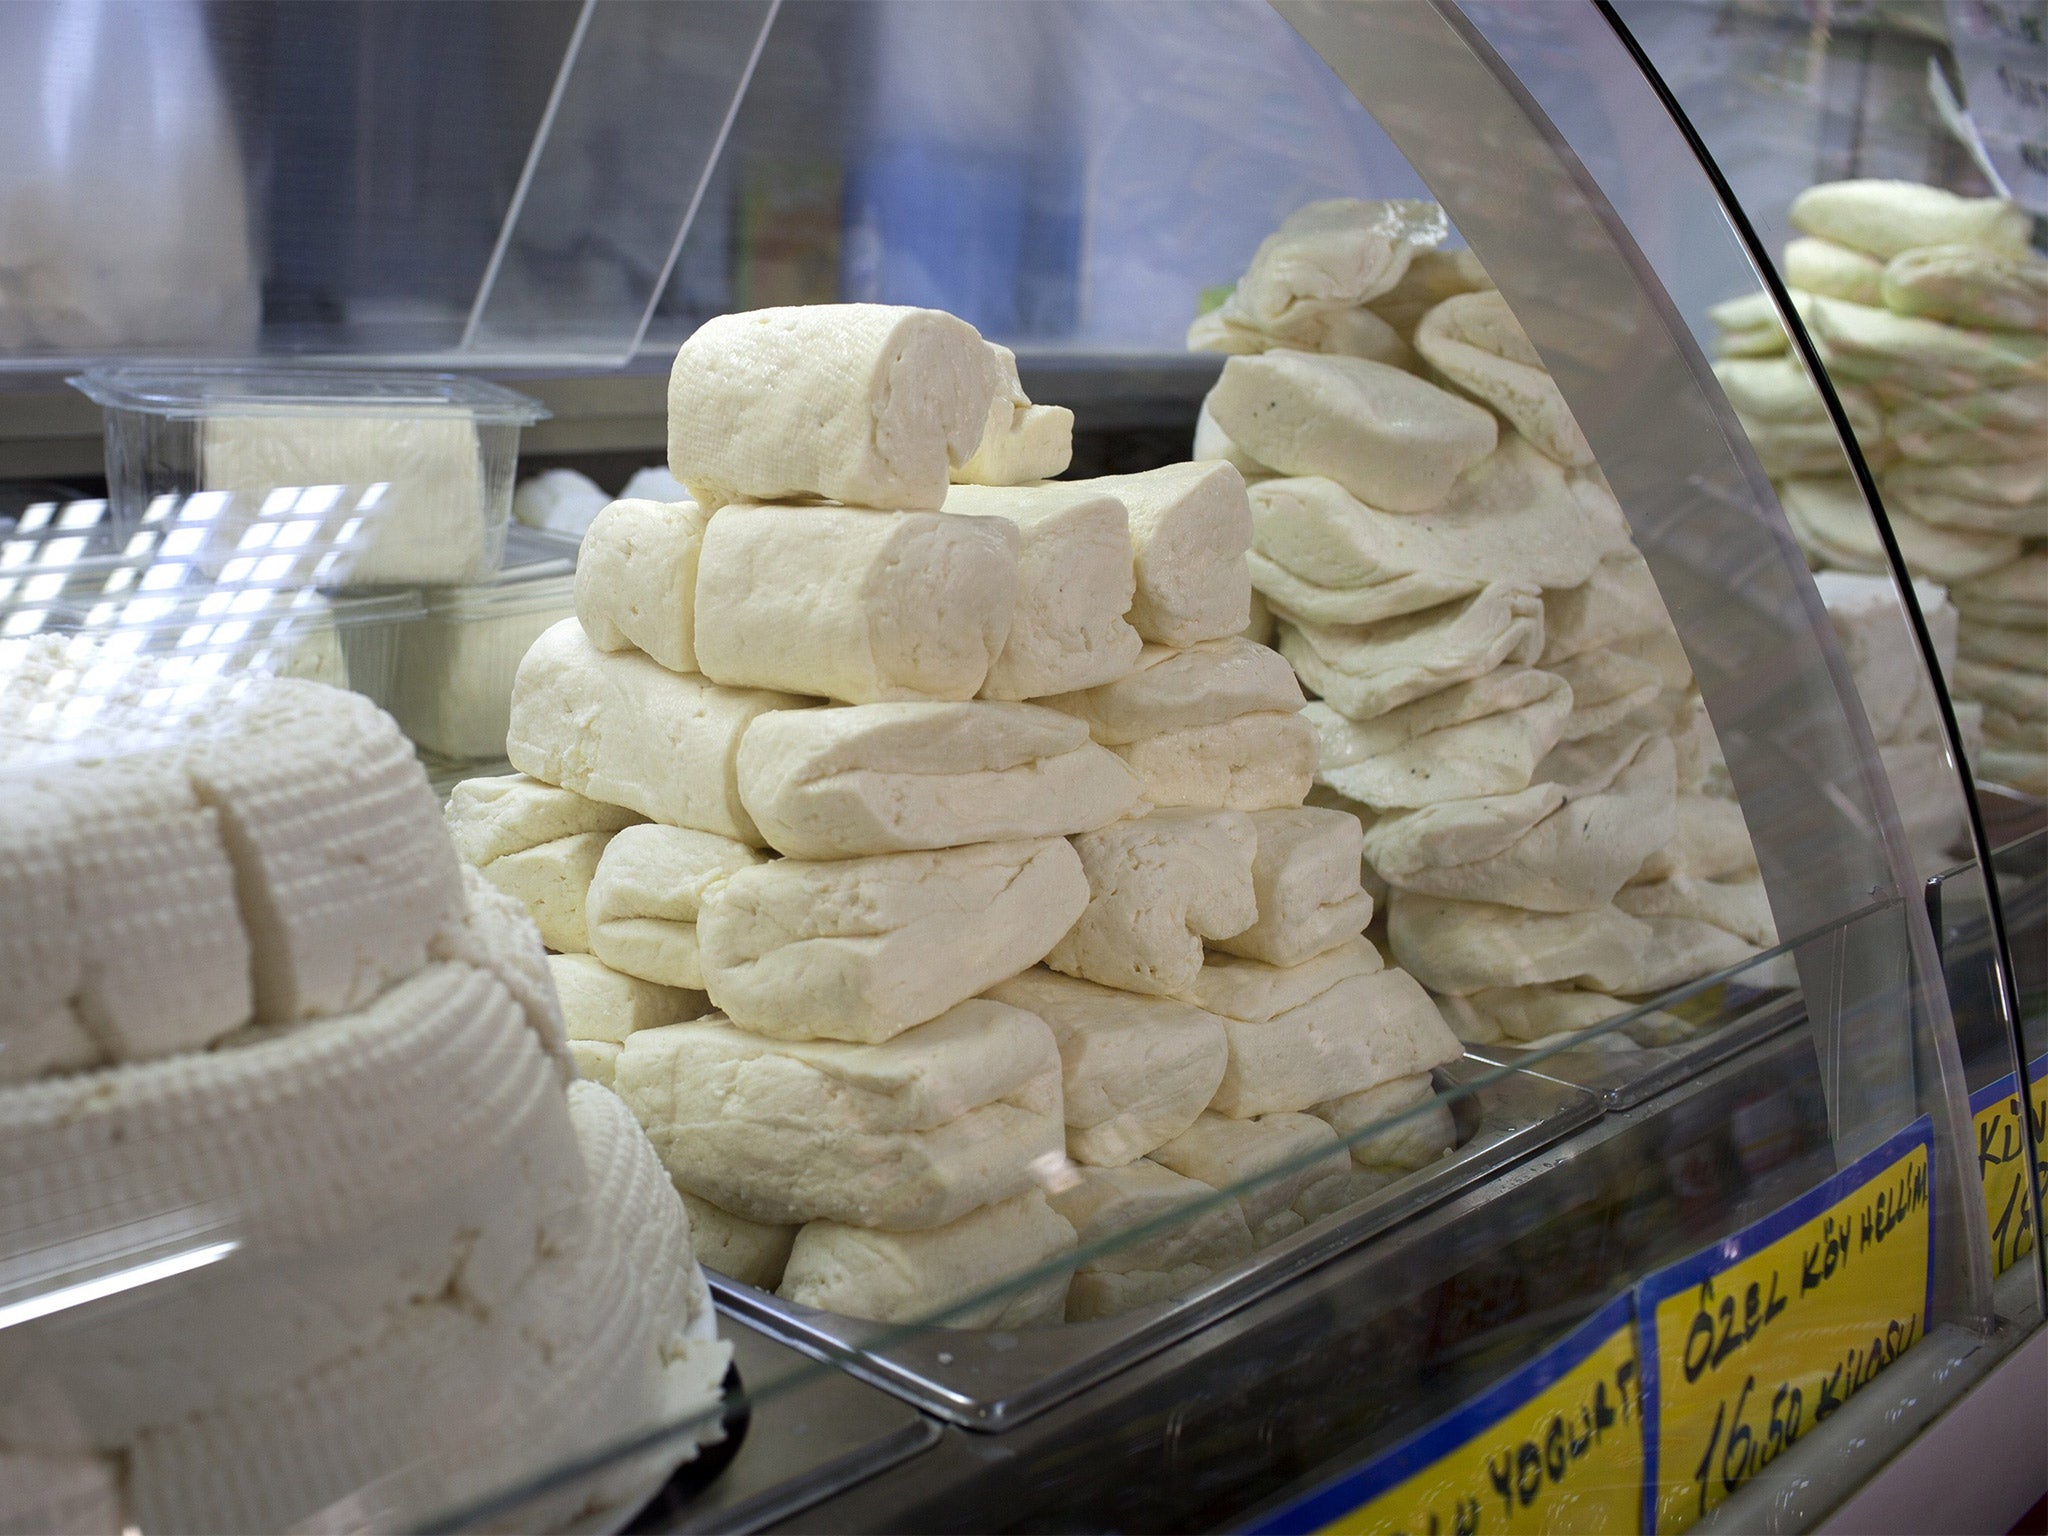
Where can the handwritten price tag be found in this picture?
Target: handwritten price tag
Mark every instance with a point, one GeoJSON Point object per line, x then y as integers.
{"type": "Point", "coordinates": [1752, 1342]}
{"type": "Point", "coordinates": [1555, 1447]}
{"type": "Point", "coordinates": [2009, 1139]}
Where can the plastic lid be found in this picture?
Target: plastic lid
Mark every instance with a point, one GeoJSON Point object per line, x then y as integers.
{"type": "Point", "coordinates": [191, 392]}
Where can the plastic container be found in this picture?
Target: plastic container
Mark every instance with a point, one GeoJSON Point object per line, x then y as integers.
{"type": "Point", "coordinates": [458, 658]}
{"type": "Point", "coordinates": [412, 473]}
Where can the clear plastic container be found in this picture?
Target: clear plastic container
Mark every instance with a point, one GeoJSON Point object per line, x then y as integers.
{"type": "Point", "coordinates": [413, 472]}
{"type": "Point", "coordinates": [457, 659]}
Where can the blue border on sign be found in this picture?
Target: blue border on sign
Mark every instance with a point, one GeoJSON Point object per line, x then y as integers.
{"type": "Point", "coordinates": [1661, 1284]}
{"type": "Point", "coordinates": [1991, 1093]}
{"type": "Point", "coordinates": [1352, 1490]}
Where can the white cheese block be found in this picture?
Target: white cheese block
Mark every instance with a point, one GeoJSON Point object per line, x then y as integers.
{"type": "Point", "coordinates": [452, 687]}
{"type": "Point", "coordinates": [863, 949]}
{"type": "Point", "coordinates": [855, 605]}
{"type": "Point", "coordinates": [1268, 1163]}
{"type": "Point", "coordinates": [1251, 990]}
{"type": "Point", "coordinates": [1837, 271]}
{"type": "Point", "coordinates": [1554, 847]}
{"type": "Point", "coordinates": [597, 1061]}
{"type": "Point", "coordinates": [1170, 690]}
{"type": "Point", "coordinates": [1985, 426]}
{"type": "Point", "coordinates": [427, 524]}
{"type": "Point", "coordinates": [1256, 762]}
{"type": "Point", "coordinates": [488, 818]}
{"type": "Point", "coordinates": [552, 882]}
{"type": "Point", "coordinates": [1469, 946]}
{"type": "Point", "coordinates": [2016, 593]}
{"type": "Point", "coordinates": [1969, 285]}
{"type": "Point", "coordinates": [1432, 277]}
{"type": "Point", "coordinates": [333, 832]}
{"type": "Point", "coordinates": [1886, 218]}
{"type": "Point", "coordinates": [599, 1003]}
{"type": "Point", "coordinates": [1135, 1071]}
{"type": "Point", "coordinates": [885, 778]}
{"type": "Point", "coordinates": [1363, 671]}
{"type": "Point", "coordinates": [1332, 255]}
{"type": "Point", "coordinates": [1711, 842]}
{"type": "Point", "coordinates": [868, 404]}
{"type": "Point", "coordinates": [1352, 332]}
{"type": "Point", "coordinates": [1748, 325]}
{"type": "Point", "coordinates": [1398, 1124]}
{"type": "Point", "coordinates": [967, 1274]}
{"type": "Point", "coordinates": [622, 728]}
{"type": "Point", "coordinates": [646, 895]}
{"type": "Point", "coordinates": [1190, 526]}
{"type": "Point", "coordinates": [1776, 392]}
{"type": "Point", "coordinates": [1321, 555]}
{"type": "Point", "coordinates": [1074, 586]}
{"type": "Point", "coordinates": [1193, 1236]}
{"type": "Point", "coordinates": [1392, 440]}
{"type": "Point", "coordinates": [1608, 686]}
{"type": "Point", "coordinates": [1305, 876]}
{"type": "Point", "coordinates": [1368, 877]}
{"type": "Point", "coordinates": [913, 1133]}
{"type": "Point", "coordinates": [1020, 442]}
{"type": "Point", "coordinates": [1358, 1034]}
{"type": "Point", "coordinates": [493, 933]}
{"type": "Point", "coordinates": [560, 500]}
{"type": "Point", "coordinates": [1483, 737]}
{"type": "Point", "coordinates": [1874, 346]}
{"type": "Point", "coordinates": [751, 1252]}
{"type": "Point", "coordinates": [1158, 887]}
{"type": "Point", "coordinates": [1212, 442]}
{"type": "Point", "coordinates": [636, 580]}
{"type": "Point", "coordinates": [1619, 601]}
{"type": "Point", "coordinates": [1475, 341]}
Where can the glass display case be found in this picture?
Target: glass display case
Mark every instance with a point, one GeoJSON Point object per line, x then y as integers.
{"type": "Point", "coordinates": [1267, 882]}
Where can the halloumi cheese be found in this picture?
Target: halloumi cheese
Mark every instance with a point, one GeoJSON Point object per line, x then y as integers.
{"type": "Point", "coordinates": [646, 894]}
{"type": "Point", "coordinates": [1305, 879]}
{"type": "Point", "coordinates": [636, 580]}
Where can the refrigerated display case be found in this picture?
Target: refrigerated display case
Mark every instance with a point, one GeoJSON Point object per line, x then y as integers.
{"type": "Point", "coordinates": [1489, 1290]}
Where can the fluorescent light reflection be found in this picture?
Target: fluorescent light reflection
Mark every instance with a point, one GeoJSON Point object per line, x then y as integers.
{"type": "Point", "coordinates": [27, 1310]}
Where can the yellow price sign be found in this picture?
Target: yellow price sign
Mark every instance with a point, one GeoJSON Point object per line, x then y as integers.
{"type": "Point", "coordinates": [1555, 1447]}
{"type": "Point", "coordinates": [1752, 1342]}
{"type": "Point", "coordinates": [2009, 1140]}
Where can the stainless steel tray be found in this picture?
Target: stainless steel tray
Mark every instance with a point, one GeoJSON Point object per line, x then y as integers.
{"type": "Point", "coordinates": [1624, 1079]}
{"type": "Point", "coordinates": [990, 1379]}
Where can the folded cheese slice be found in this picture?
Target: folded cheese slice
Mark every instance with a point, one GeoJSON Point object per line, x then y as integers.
{"type": "Point", "coordinates": [1986, 426]}
{"type": "Point", "coordinates": [1969, 285]}
{"type": "Point", "coordinates": [1021, 442]}
{"type": "Point", "coordinates": [1190, 1236]}
{"type": "Point", "coordinates": [1873, 346]}
{"type": "Point", "coordinates": [646, 894]}
{"type": "Point", "coordinates": [1305, 879]}
{"type": "Point", "coordinates": [1483, 737]}
{"type": "Point", "coordinates": [1887, 218]}
{"type": "Point", "coordinates": [751, 1252]}
{"type": "Point", "coordinates": [967, 1274]}
{"type": "Point", "coordinates": [1074, 586]}
{"type": "Point", "coordinates": [1357, 1035]}
{"type": "Point", "coordinates": [868, 404]}
{"type": "Point", "coordinates": [1157, 887]}
{"type": "Point", "coordinates": [1460, 947]}
{"type": "Point", "coordinates": [1837, 271]}
{"type": "Point", "coordinates": [599, 1003]}
{"type": "Point", "coordinates": [1190, 525]}
{"type": "Point", "coordinates": [1169, 690]}
{"type": "Point", "coordinates": [1831, 516]}
{"type": "Point", "coordinates": [1740, 905]}
{"type": "Point", "coordinates": [1432, 277]}
{"type": "Point", "coordinates": [490, 817]}
{"type": "Point", "coordinates": [622, 728]}
{"type": "Point", "coordinates": [1135, 1071]}
{"type": "Point", "coordinates": [863, 949]}
{"type": "Point", "coordinates": [636, 580]}
{"type": "Point", "coordinates": [1389, 438]}
{"type": "Point", "coordinates": [1475, 341]}
{"type": "Point", "coordinates": [1362, 671]}
{"type": "Point", "coordinates": [1330, 256]}
{"type": "Point", "coordinates": [2015, 593]}
{"type": "Point", "coordinates": [883, 778]}
{"type": "Point", "coordinates": [910, 1134]}
{"type": "Point", "coordinates": [1620, 600]}
{"type": "Point", "coordinates": [855, 605]}
{"type": "Point", "coordinates": [552, 882]}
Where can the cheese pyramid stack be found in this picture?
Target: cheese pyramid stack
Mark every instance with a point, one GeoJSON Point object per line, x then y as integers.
{"type": "Point", "coordinates": [262, 1025]}
{"type": "Point", "coordinates": [1503, 702]}
{"type": "Point", "coordinates": [838, 753]}
{"type": "Point", "coordinates": [1931, 314]}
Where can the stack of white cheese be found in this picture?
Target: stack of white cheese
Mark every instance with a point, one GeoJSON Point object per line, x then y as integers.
{"type": "Point", "coordinates": [1504, 703]}
{"type": "Point", "coordinates": [1931, 314]}
{"type": "Point", "coordinates": [846, 747]}
{"type": "Point", "coordinates": [268, 1048]}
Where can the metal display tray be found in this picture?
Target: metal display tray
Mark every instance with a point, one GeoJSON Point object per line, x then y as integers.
{"type": "Point", "coordinates": [991, 1379]}
{"type": "Point", "coordinates": [1624, 1079]}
